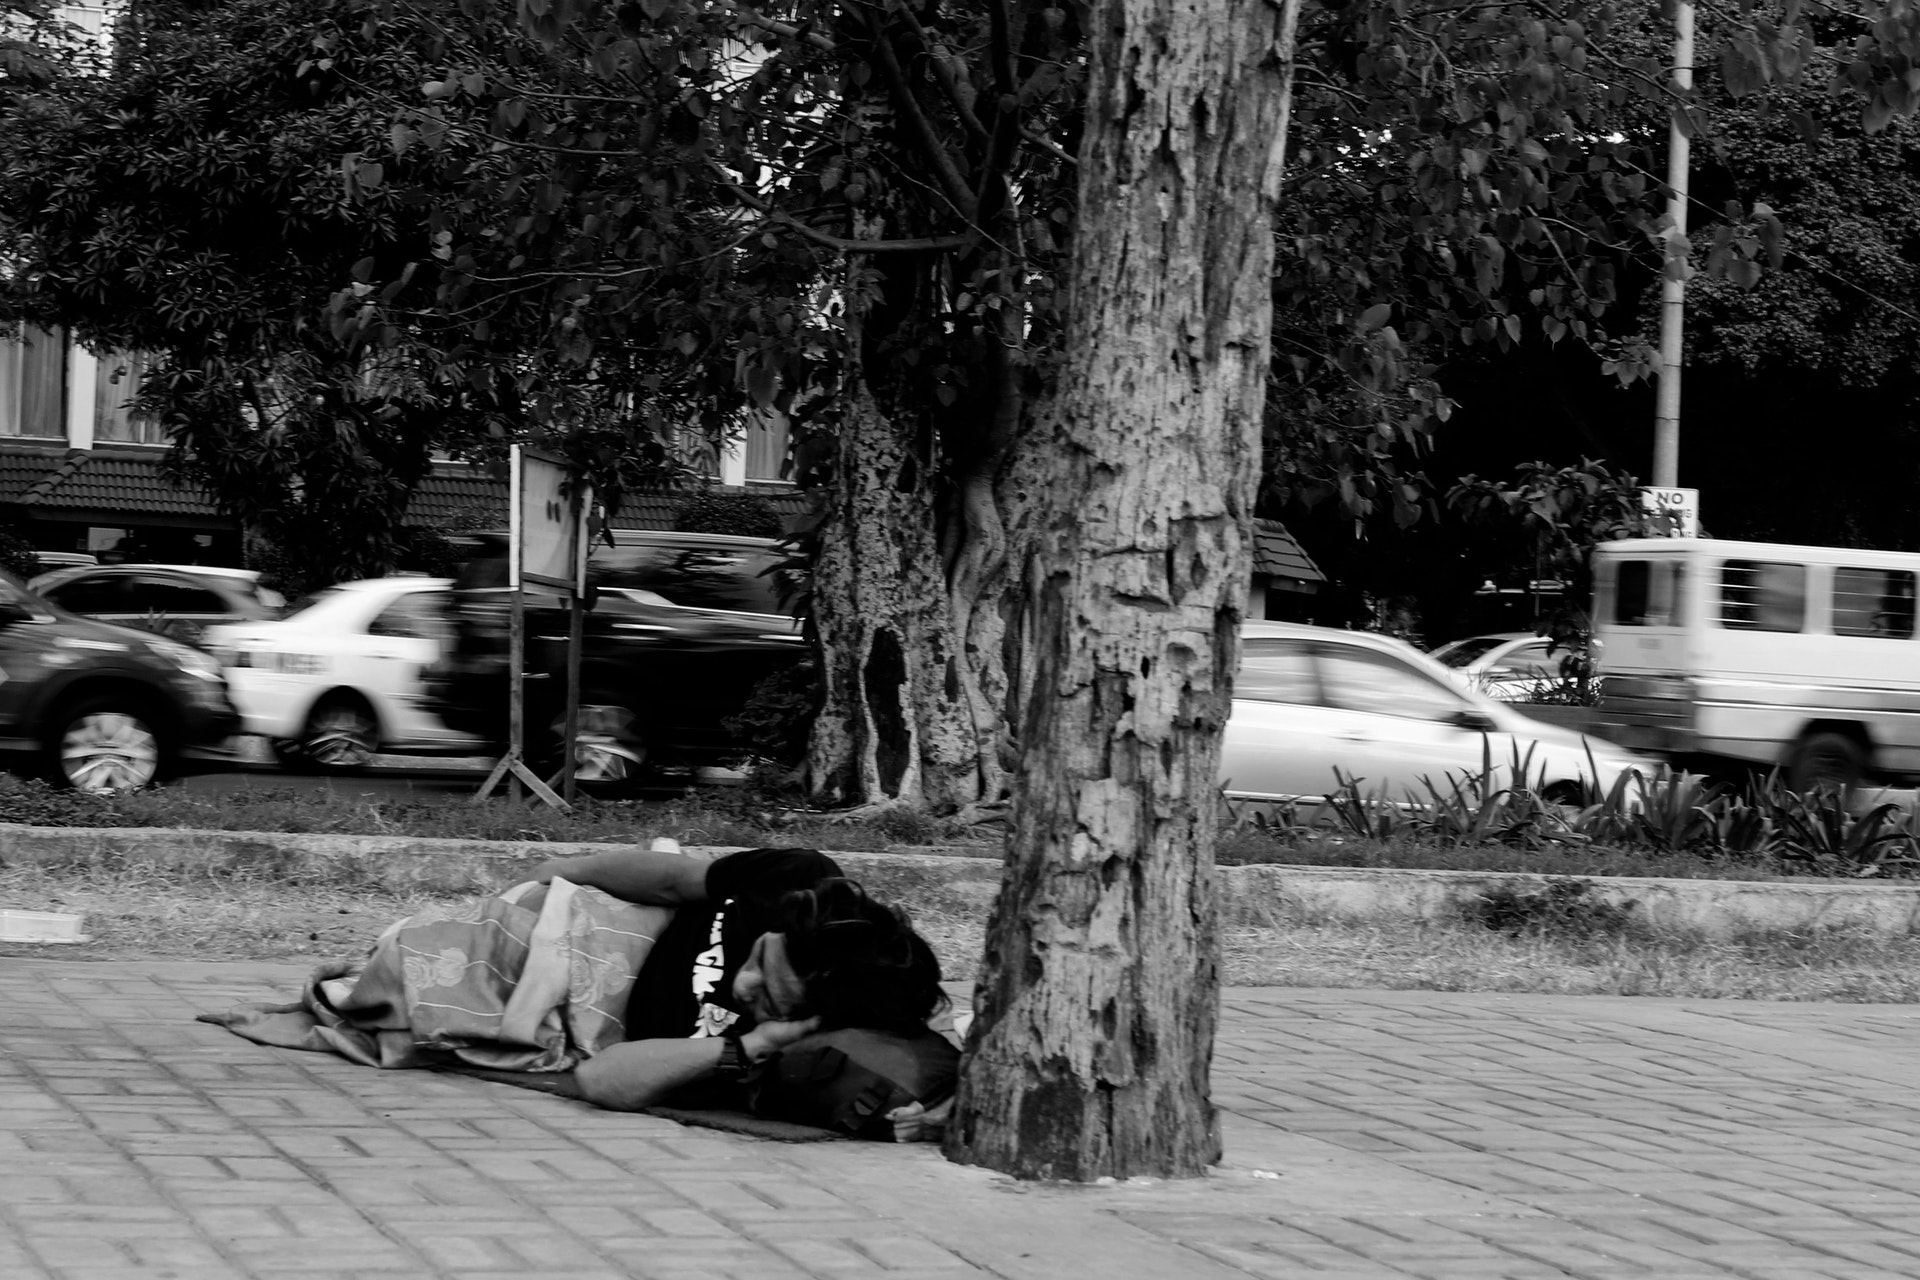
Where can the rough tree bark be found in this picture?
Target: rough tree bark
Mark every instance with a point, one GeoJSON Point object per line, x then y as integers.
{"type": "Point", "coordinates": [897, 730]}
{"type": "Point", "coordinates": [1090, 1052]}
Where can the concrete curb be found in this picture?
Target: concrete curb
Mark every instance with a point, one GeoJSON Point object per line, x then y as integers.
{"type": "Point", "coordinates": [1250, 896]}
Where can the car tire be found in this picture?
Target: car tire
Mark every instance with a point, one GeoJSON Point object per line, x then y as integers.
{"type": "Point", "coordinates": [340, 736]}
{"type": "Point", "coordinates": [1567, 794]}
{"type": "Point", "coordinates": [611, 755]}
{"type": "Point", "coordinates": [103, 744]}
{"type": "Point", "coordinates": [1825, 759]}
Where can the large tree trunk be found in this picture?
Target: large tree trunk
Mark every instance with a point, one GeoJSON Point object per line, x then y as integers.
{"type": "Point", "coordinates": [1090, 1052]}
{"type": "Point", "coordinates": [897, 725]}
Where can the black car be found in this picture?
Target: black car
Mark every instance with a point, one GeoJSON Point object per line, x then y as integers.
{"type": "Point", "coordinates": [100, 707]}
{"type": "Point", "coordinates": [668, 656]}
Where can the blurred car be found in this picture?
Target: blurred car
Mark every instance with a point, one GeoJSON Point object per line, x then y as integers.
{"type": "Point", "coordinates": [176, 600]}
{"type": "Point", "coordinates": [1310, 699]}
{"type": "Point", "coordinates": [1513, 666]}
{"type": "Point", "coordinates": [104, 708]}
{"type": "Point", "coordinates": [51, 560]}
{"type": "Point", "coordinates": [340, 680]}
{"type": "Point", "coordinates": [682, 628]}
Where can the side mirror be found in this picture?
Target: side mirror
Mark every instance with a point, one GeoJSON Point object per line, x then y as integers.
{"type": "Point", "coordinates": [1472, 718]}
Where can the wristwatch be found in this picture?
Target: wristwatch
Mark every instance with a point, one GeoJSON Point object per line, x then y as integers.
{"type": "Point", "coordinates": [733, 1057]}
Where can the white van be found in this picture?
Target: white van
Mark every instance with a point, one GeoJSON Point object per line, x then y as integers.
{"type": "Point", "coordinates": [1759, 653]}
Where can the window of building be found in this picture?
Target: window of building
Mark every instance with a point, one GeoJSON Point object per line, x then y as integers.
{"type": "Point", "coordinates": [1758, 595]}
{"type": "Point", "coordinates": [114, 389]}
{"type": "Point", "coordinates": [33, 385]}
{"type": "Point", "coordinates": [768, 437]}
{"type": "Point", "coordinates": [1873, 602]}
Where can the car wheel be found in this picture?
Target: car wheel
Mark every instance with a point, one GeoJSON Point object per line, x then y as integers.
{"type": "Point", "coordinates": [341, 736]}
{"type": "Point", "coordinates": [610, 753]}
{"type": "Point", "coordinates": [1566, 793]}
{"type": "Point", "coordinates": [102, 745]}
{"type": "Point", "coordinates": [1826, 760]}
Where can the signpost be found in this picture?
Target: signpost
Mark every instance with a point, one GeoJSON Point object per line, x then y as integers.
{"type": "Point", "coordinates": [1676, 512]}
{"type": "Point", "coordinates": [546, 549]}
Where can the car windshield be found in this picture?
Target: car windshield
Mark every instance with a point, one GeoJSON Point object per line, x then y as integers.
{"type": "Point", "coordinates": [1463, 653]}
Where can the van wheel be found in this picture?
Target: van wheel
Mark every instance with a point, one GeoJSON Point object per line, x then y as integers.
{"type": "Point", "coordinates": [610, 753]}
{"type": "Point", "coordinates": [103, 744]}
{"type": "Point", "coordinates": [1826, 760]}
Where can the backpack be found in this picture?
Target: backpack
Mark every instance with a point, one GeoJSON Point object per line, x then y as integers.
{"type": "Point", "coordinates": [849, 1079]}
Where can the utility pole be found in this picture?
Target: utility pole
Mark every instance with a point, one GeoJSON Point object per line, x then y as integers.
{"type": "Point", "coordinates": [1673, 276]}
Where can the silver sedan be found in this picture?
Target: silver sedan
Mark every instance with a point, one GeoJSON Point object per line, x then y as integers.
{"type": "Point", "coordinates": [1309, 699]}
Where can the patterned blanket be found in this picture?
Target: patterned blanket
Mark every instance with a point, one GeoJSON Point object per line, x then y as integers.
{"type": "Point", "coordinates": [535, 979]}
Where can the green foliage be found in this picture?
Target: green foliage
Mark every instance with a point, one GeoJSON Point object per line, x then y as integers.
{"type": "Point", "coordinates": [746, 515]}
{"type": "Point", "coordinates": [1553, 517]}
{"type": "Point", "coordinates": [1831, 307]}
{"type": "Point", "coordinates": [17, 555]}
{"type": "Point", "coordinates": [778, 716]}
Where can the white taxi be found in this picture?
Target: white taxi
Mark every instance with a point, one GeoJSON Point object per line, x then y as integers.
{"type": "Point", "coordinates": [341, 679]}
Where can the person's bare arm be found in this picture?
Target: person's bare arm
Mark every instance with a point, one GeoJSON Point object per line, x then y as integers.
{"type": "Point", "coordinates": [655, 876]}
{"type": "Point", "coordinates": [638, 1073]}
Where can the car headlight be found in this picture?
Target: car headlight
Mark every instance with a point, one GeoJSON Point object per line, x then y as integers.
{"type": "Point", "coordinates": [186, 657]}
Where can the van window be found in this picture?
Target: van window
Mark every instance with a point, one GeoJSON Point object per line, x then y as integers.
{"type": "Point", "coordinates": [1873, 602]}
{"type": "Point", "coordinates": [1646, 593]}
{"type": "Point", "coordinates": [1761, 595]}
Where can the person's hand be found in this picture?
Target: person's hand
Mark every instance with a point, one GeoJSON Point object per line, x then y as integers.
{"type": "Point", "coordinates": [769, 1038]}
{"type": "Point", "coordinates": [916, 1123]}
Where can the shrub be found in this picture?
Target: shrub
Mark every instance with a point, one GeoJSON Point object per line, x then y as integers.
{"type": "Point", "coordinates": [778, 716]}
{"type": "Point", "coordinates": [17, 555]}
{"type": "Point", "coordinates": [740, 515]}
{"type": "Point", "coordinates": [1562, 907]}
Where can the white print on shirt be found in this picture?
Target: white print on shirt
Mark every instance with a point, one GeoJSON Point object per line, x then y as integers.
{"type": "Point", "coordinates": [708, 968]}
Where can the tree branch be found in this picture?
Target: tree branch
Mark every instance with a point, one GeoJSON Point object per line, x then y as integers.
{"type": "Point", "coordinates": [780, 218]}
{"type": "Point", "coordinates": [952, 184]}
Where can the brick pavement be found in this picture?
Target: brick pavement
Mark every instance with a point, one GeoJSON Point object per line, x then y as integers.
{"type": "Point", "coordinates": [1370, 1134]}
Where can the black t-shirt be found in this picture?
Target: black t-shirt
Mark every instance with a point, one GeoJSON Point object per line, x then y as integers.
{"type": "Point", "coordinates": [685, 988]}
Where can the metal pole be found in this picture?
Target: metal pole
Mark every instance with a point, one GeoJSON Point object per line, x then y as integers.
{"type": "Point", "coordinates": [516, 626]}
{"type": "Point", "coordinates": [576, 633]}
{"type": "Point", "coordinates": [1673, 278]}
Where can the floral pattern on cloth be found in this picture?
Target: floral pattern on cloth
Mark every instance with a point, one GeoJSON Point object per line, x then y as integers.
{"type": "Point", "coordinates": [535, 979]}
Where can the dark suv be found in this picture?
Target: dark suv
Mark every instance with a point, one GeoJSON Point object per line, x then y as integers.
{"type": "Point", "coordinates": [682, 629]}
{"type": "Point", "coordinates": [99, 707]}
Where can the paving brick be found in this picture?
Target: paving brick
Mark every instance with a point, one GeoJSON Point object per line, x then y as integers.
{"type": "Point", "coordinates": [1423, 1135]}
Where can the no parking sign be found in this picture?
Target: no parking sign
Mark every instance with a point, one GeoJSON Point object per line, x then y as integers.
{"type": "Point", "coordinates": [1675, 512]}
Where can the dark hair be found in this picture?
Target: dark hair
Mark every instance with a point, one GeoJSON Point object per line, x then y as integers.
{"type": "Point", "coordinates": [861, 961]}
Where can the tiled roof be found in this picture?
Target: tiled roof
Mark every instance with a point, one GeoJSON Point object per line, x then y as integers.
{"type": "Point", "coordinates": [19, 471]}
{"type": "Point", "coordinates": [134, 484]}
{"type": "Point", "coordinates": [130, 484]}
{"type": "Point", "coordinates": [452, 492]}
{"type": "Point", "coordinates": [1277, 555]}
{"type": "Point", "coordinates": [124, 484]}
